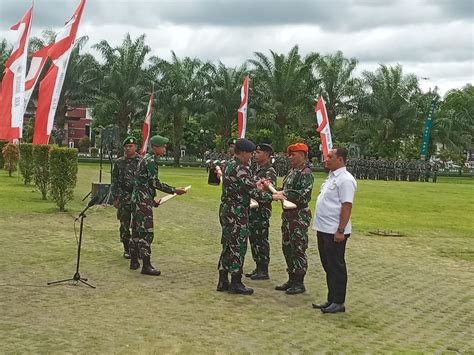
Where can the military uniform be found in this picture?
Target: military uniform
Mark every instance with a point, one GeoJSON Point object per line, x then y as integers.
{"type": "Point", "coordinates": [143, 198]}
{"type": "Point", "coordinates": [238, 187]}
{"type": "Point", "coordinates": [259, 222]}
{"type": "Point", "coordinates": [123, 178]}
{"type": "Point", "coordinates": [297, 187]}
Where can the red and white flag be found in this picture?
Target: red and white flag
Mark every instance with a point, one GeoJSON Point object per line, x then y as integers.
{"type": "Point", "coordinates": [50, 87]}
{"type": "Point", "coordinates": [147, 125]}
{"type": "Point", "coordinates": [38, 60]}
{"type": "Point", "coordinates": [242, 112]}
{"type": "Point", "coordinates": [12, 101]}
{"type": "Point", "coordinates": [323, 127]}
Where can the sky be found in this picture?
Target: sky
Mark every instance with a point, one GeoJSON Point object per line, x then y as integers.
{"type": "Point", "coordinates": [433, 39]}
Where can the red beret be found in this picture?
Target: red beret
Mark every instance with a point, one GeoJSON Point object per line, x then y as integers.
{"type": "Point", "coordinates": [298, 147]}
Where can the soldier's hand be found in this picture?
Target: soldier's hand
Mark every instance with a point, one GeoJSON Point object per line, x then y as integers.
{"type": "Point", "coordinates": [278, 196]}
{"type": "Point", "coordinates": [180, 191]}
{"type": "Point", "coordinates": [116, 203]}
{"type": "Point", "coordinates": [157, 202]}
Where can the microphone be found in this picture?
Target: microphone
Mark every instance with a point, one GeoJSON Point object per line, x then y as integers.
{"type": "Point", "coordinates": [96, 199]}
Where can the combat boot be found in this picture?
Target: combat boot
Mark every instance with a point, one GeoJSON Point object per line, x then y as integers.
{"type": "Point", "coordinates": [148, 269]}
{"type": "Point", "coordinates": [223, 284]}
{"type": "Point", "coordinates": [236, 285]}
{"type": "Point", "coordinates": [297, 286]}
{"type": "Point", "coordinates": [285, 286]}
{"type": "Point", "coordinates": [261, 273]}
{"type": "Point", "coordinates": [134, 264]}
{"type": "Point", "coordinates": [250, 274]}
{"type": "Point", "coordinates": [126, 249]}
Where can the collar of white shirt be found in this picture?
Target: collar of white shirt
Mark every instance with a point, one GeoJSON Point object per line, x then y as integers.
{"type": "Point", "coordinates": [337, 172]}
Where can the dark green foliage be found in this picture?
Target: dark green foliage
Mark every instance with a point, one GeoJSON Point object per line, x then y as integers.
{"type": "Point", "coordinates": [94, 152]}
{"type": "Point", "coordinates": [26, 162]}
{"type": "Point", "coordinates": [11, 155]}
{"type": "Point", "coordinates": [63, 175]}
{"type": "Point", "coordinates": [84, 144]}
{"type": "Point", "coordinates": [41, 168]}
{"type": "Point", "coordinates": [2, 144]}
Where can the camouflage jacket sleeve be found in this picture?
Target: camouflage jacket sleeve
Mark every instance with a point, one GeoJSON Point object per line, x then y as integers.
{"type": "Point", "coordinates": [248, 184]}
{"type": "Point", "coordinates": [157, 184]}
{"type": "Point", "coordinates": [299, 189]}
{"type": "Point", "coordinates": [115, 180]}
{"type": "Point", "coordinates": [271, 175]}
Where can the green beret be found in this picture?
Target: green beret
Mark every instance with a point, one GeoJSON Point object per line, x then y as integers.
{"type": "Point", "coordinates": [158, 141]}
{"type": "Point", "coordinates": [231, 141]}
{"type": "Point", "coordinates": [130, 140]}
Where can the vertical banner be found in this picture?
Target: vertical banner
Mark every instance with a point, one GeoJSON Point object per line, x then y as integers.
{"type": "Point", "coordinates": [323, 128]}
{"type": "Point", "coordinates": [12, 101]}
{"type": "Point", "coordinates": [427, 130]}
{"type": "Point", "coordinates": [242, 112]}
{"type": "Point", "coordinates": [147, 125]}
{"type": "Point", "coordinates": [38, 59]}
{"type": "Point", "coordinates": [50, 87]}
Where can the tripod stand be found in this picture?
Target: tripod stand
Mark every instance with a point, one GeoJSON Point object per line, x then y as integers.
{"type": "Point", "coordinates": [77, 276]}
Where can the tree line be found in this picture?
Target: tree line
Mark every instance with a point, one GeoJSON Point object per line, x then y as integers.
{"type": "Point", "coordinates": [379, 113]}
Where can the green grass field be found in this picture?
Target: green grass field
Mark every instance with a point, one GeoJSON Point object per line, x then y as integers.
{"type": "Point", "coordinates": [406, 294]}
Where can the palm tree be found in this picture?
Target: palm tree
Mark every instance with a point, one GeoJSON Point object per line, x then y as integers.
{"type": "Point", "coordinates": [283, 89]}
{"type": "Point", "coordinates": [125, 83]}
{"type": "Point", "coordinates": [387, 110]}
{"type": "Point", "coordinates": [181, 84]}
{"type": "Point", "coordinates": [222, 97]}
{"type": "Point", "coordinates": [337, 84]}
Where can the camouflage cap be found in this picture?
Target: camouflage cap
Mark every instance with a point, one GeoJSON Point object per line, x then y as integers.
{"type": "Point", "coordinates": [130, 140]}
{"type": "Point", "coordinates": [158, 141]}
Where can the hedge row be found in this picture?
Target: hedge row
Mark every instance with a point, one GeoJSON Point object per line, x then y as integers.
{"type": "Point", "coordinates": [53, 169]}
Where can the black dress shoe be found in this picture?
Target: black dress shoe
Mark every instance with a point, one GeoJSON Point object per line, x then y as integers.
{"type": "Point", "coordinates": [334, 308]}
{"type": "Point", "coordinates": [321, 305]}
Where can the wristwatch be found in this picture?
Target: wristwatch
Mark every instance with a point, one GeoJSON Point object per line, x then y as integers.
{"type": "Point", "coordinates": [340, 230]}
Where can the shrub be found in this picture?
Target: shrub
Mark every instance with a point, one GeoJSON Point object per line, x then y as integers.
{"type": "Point", "coordinates": [63, 175]}
{"type": "Point", "coordinates": [41, 168]}
{"type": "Point", "coordinates": [26, 162]}
{"type": "Point", "coordinates": [84, 144]}
{"type": "Point", "coordinates": [94, 152]}
{"type": "Point", "coordinates": [11, 155]}
{"type": "Point", "coordinates": [2, 144]}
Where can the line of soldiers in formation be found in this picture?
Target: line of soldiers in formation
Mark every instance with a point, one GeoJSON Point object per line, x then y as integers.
{"type": "Point", "coordinates": [390, 169]}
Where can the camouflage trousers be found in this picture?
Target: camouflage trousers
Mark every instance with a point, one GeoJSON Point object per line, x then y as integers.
{"type": "Point", "coordinates": [234, 247]}
{"type": "Point", "coordinates": [142, 228]}
{"type": "Point", "coordinates": [259, 243]}
{"type": "Point", "coordinates": [124, 215]}
{"type": "Point", "coordinates": [294, 231]}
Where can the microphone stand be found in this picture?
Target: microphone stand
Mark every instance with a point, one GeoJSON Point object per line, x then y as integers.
{"type": "Point", "coordinates": [77, 276]}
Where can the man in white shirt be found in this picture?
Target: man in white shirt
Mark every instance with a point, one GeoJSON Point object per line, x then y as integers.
{"type": "Point", "coordinates": [333, 226]}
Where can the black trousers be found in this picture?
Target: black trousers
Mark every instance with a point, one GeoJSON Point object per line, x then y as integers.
{"type": "Point", "coordinates": [334, 264]}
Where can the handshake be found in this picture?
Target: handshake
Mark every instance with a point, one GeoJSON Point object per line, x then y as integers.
{"type": "Point", "coordinates": [265, 184]}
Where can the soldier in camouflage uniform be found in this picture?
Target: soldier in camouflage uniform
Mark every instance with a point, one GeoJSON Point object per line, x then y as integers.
{"type": "Point", "coordinates": [297, 187]}
{"type": "Point", "coordinates": [123, 178]}
{"type": "Point", "coordinates": [238, 187]}
{"type": "Point", "coordinates": [143, 197]}
{"type": "Point", "coordinates": [259, 218]}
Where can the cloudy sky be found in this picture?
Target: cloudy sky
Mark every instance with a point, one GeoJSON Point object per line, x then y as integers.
{"type": "Point", "coordinates": [433, 39]}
